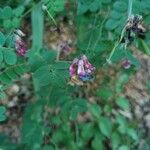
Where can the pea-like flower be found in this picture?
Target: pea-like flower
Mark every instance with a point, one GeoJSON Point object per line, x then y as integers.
{"type": "Point", "coordinates": [81, 70]}
{"type": "Point", "coordinates": [126, 64]}
{"type": "Point", "coordinates": [19, 43]}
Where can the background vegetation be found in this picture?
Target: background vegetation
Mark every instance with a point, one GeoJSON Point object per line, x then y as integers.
{"type": "Point", "coordinates": [59, 116]}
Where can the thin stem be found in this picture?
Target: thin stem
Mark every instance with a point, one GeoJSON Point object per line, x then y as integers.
{"type": "Point", "coordinates": [130, 2]}
{"type": "Point", "coordinates": [112, 52]}
{"type": "Point", "coordinates": [51, 17]}
{"type": "Point", "coordinates": [122, 33]}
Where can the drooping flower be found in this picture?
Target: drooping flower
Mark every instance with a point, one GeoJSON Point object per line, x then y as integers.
{"type": "Point", "coordinates": [126, 64]}
{"type": "Point", "coordinates": [81, 70]}
{"type": "Point", "coordinates": [20, 46]}
{"type": "Point", "coordinates": [133, 28]}
{"type": "Point", "coordinates": [65, 47]}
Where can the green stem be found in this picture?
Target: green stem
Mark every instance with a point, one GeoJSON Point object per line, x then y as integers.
{"type": "Point", "coordinates": [112, 53]}
{"type": "Point", "coordinates": [51, 17]}
{"type": "Point", "coordinates": [130, 2]}
{"type": "Point", "coordinates": [122, 33]}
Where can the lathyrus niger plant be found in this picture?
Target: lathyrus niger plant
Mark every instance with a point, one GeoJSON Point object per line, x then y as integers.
{"type": "Point", "coordinates": [62, 116]}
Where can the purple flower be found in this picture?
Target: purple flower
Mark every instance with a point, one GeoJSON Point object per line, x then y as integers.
{"type": "Point", "coordinates": [88, 67]}
{"type": "Point", "coordinates": [81, 69]}
{"type": "Point", "coordinates": [126, 64]}
{"type": "Point", "coordinates": [20, 48]}
{"type": "Point", "coordinates": [73, 67]}
{"type": "Point", "coordinates": [19, 43]}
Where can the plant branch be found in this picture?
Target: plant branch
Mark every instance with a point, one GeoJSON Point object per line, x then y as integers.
{"type": "Point", "coordinates": [122, 33]}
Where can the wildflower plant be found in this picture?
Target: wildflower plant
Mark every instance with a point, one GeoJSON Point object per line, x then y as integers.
{"type": "Point", "coordinates": [63, 116]}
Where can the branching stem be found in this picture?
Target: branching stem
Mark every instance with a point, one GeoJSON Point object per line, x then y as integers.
{"type": "Point", "coordinates": [122, 33]}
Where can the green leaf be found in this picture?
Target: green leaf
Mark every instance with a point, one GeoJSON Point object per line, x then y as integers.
{"type": "Point", "coordinates": [18, 11]}
{"type": "Point", "coordinates": [85, 5]}
{"type": "Point", "coordinates": [7, 24]}
{"type": "Point", "coordinates": [120, 6]}
{"type": "Point", "coordinates": [81, 9]}
{"type": "Point", "coordinates": [115, 140]}
{"type": "Point", "coordinates": [97, 143]}
{"type": "Point", "coordinates": [124, 147]}
{"type": "Point", "coordinates": [105, 126]}
{"type": "Point", "coordinates": [12, 72]}
{"type": "Point", "coordinates": [15, 22]}
{"type": "Point", "coordinates": [87, 130]}
{"type": "Point", "coordinates": [108, 108]}
{"type": "Point", "coordinates": [1, 13]}
{"type": "Point", "coordinates": [111, 24]}
{"type": "Point", "coordinates": [1, 56]}
{"type": "Point", "coordinates": [122, 80]}
{"type": "Point", "coordinates": [123, 103]}
{"type": "Point", "coordinates": [2, 95]}
{"type": "Point", "coordinates": [55, 7]}
{"type": "Point", "coordinates": [123, 125]}
{"type": "Point", "coordinates": [49, 55]}
{"type": "Point", "coordinates": [2, 113]}
{"type": "Point", "coordinates": [42, 76]}
{"type": "Point", "coordinates": [95, 110]}
{"type": "Point", "coordinates": [104, 92]}
{"type": "Point", "coordinates": [78, 106]}
{"type": "Point", "coordinates": [132, 133]}
{"type": "Point", "coordinates": [2, 39]}
{"type": "Point", "coordinates": [4, 78]}
{"type": "Point", "coordinates": [95, 6]}
{"type": "Point", "coordinates": [118, 55]}
{"type": "Point", "coordinates": [116, 15]}
{"type": "Point", "coordinates": [9, 57]}
{"type": "Point", "coordinates": [7, 12]}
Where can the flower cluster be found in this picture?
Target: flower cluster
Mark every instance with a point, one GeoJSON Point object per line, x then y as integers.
{"type": "Point", "coordinates": [134, 27]}
{"type": "Point", "coordinates": [19, 43]}
{"type": "Point", "coordinates": [81, 70]}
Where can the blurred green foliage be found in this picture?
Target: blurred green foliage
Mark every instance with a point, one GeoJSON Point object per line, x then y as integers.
{"type": "Point", "coordinates": [51, 122]}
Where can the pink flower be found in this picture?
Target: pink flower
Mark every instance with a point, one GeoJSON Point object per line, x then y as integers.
{"type": "Point", "coordinates": [81, 68]}
{"type": "Point", "coordinates": [19, 43]}
{"type": "Point", "coordinates": [126, 64]}
{"type": "Point", "coordinates": [73, 66]}
{"type": "Point", "coordinates": [88, 67]}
